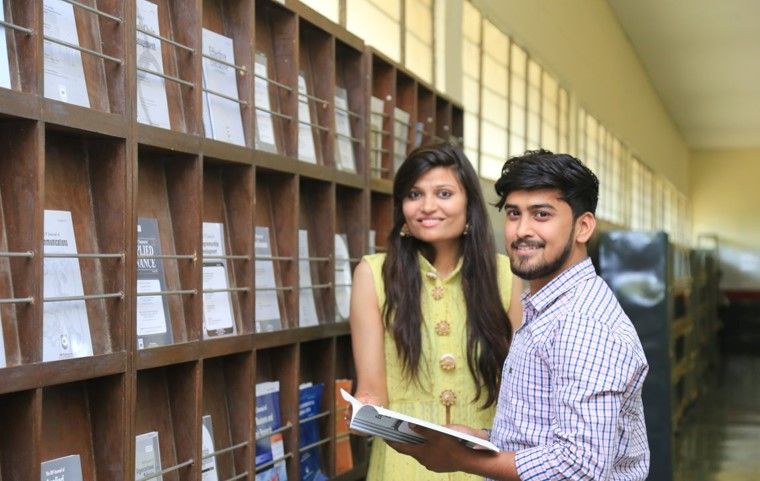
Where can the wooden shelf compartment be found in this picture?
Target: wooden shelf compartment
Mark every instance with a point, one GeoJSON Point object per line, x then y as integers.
{"type": "Point", "coordinates": [350, 74]}
{"type": "Point", "coordinates": [87, 176]}
{"type": "Point", "coordinates": [457, 124]}
{"type": "Point", "coordinates": [442, 118]}
{"type": "Point", "coordinates": [317, 66]}
{"type": "Point", "coordinates": [276, 38]}
{"type": "Point", "coordinates": [281, 364]}
{"type": "Point", "coordinates": [23, 53]}
{"type": "Point", "coordinates": [317, 217]}
{"type": "Point", "coordinates": [20, 430]}
{"type": "Point", "coordinates": [20, 232]}
{"type": "Point", "coordinates": [228, 199]}
{"type": "Point", "coordinates": [351, 216]}
{"type": "Point", "coordinates": [381, 219]}
{"type": "Point", "coordinates": [228, 398]}
{"type": "Point", "coordinates": [274, 196]}
{"type": "Point", "coordinates": [169, 189]}
{"type": "Point", "coordinates": [317, 366]}
{"type": "Point", "coordinates": [235, 19]}
{"type": "Point", "coordinates": [166, 402]}
{"type": "Point", "coordinates": [382, 75]}
{"type": "Point", "coordinates": [426, 112]}
{"type": "Point", "coordinates": [344, 369]}
{"type": "Point", "coordinates": [87, 418]}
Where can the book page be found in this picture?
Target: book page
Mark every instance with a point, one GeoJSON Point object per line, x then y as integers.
{"type": "Point", "coordinates": [307, 309]}
{"type": "Point", "coordinates": [5, 72]}
{"type": "Point", "coordinates": [345, 147]}
{"type": "Point", "coordinates": [342, 278]}
{"type": "Point", "coordinates": [264, 126]}
{"type": "Point", "coordinates": [268, 316]}
{"type": "Point", "coordinates": [394, 426]}
{"type": "Point", "coordinates": [147, 456]}
{"type": "Point", "coordinates": [306, 151]}
{"type": "Point", "coordinates": [152, 106]}
{"type": "Point", "coordinates": [65, 326]}
{"type": "Point", "coordinates": [218, 317]}
{"type": "Point", "coordinates": [223, 113]}
{"type": "Point", "coordinates": [64, 74]}
{"type": "Point", "coordinates": [208, 461]}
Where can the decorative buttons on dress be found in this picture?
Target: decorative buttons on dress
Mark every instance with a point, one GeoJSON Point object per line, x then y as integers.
{"type": "Point", "coordinates": [431, 275]}
{"type": "Point", "coordinates": [448, 362]}
{"type": "Point", "coordinates": [438, 293]}
{"type": "Point", "coordinates": [443, 328]}
{"type": "Point", "coordinates": [448, 398]}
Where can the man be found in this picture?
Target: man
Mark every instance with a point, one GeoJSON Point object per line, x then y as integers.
{"type": "Point", "coordinates": [570, 398]}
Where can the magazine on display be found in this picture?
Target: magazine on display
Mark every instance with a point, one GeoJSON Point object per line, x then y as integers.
{"type": "Point", "coordinates": [218, 317]}
{"type": "Point", "coordinates": [268, 317]}
{"type": "Point", "coordinates": [152, 105]}
{"type": "Point", "coordinates": [64, 74]}
{"type": "Point", "coordinates": [5, 67]}
{"type": "Point", "coordinates": [222, 120]}
{"type": "Point", "coordinates": [377, 107]}
{"type": "Point", "coordinates": [153, 318]}
{"type": "Point", "coordinates": [309, 402]}
{"type": "Point", "coordinates": [400, 136]}
{"type": "Point", "coordinates": [65, 326]}
{"type": "Point", "coordinates": [147, 457]}
{"type": "Point", "coordinates": [265, 139]}
{"type": "Point", "coordinates": [307, 308]}
{"type": "Point", "coordinates": [344, 145]}
{"type": "Point", "coordinates": [394, 426]}
{"type": "Point", "coordinates": [342, 278]}
{"type": "Point", "coordinates": [270, 450]}
{"type": "Point", "coordinates": [306, 150]}
{"type": "Point", "coordinates": [67, 468]}
{"type": "Point", "coordinates": [208, 461]}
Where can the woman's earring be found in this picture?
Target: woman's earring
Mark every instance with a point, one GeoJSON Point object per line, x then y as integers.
{"type": "Point", "coordinates": [466, 229]}
{"type": "Point", "coordinates": [404, 232]}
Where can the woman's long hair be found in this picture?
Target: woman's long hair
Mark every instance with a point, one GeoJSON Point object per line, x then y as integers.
{"type": "Point", "coordinates": [488, 330]}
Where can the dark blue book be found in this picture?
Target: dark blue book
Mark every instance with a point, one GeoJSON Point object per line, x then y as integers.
{"type": "Point", "coordinates": [309, 402]}
{"type": "Point", "coordinates": [269, 448]}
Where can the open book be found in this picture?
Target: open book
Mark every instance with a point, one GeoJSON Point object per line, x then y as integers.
{"type": "Point", "coordinates": [394, 426]}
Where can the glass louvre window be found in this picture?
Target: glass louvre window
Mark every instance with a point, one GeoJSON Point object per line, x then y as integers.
{"type": "Point", "coordinates": [591, 140]}
{"type": "Point", "coordinates": [493, 131]}
{"type": "Point", "coordinates": [378, 23]}
{"type": "Point", "coordinates": [563, 121]}
{"type": "Point", "coordinates": [549, 113]}
{"type": "Point", "coordinates": [658, 203]}
{"type": "Point", "coordinates": [534, 105]}
{"type": "Point", "coordinates": [518, 66]}
{"type": "Point", "coordinates": [602, 172]}
{"type": "Point", "coordinates": [419, 38]}
{"type": "Point", "coordinates": [617, 177]}
{"type": "Point", "coordinates": [471, 20]}
{"type": "Point", "coordinates": [581, 140]}
{"type": "Point", "coordinates": [328, 8]}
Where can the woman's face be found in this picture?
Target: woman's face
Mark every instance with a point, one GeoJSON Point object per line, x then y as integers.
{"type": "Point", "coordinates": [435, 209]}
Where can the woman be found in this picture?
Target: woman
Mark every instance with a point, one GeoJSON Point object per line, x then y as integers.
{"type": "Point", "coordinates": [429, 326]}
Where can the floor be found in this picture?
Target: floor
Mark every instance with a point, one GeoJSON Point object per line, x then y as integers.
{"type": "Point", "coordinates": [720, 436]}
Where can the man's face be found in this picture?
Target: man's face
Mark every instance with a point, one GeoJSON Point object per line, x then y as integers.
{"type": "Point", "coordinates": [540, 235]}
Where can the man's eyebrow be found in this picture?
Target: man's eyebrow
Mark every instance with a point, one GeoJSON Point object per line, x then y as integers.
{"type": "Point", "coordinates": [531, 207]}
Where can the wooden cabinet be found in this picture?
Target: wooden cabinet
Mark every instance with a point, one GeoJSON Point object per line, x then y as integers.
{"type": "Point", "coordinates": [109, 170]}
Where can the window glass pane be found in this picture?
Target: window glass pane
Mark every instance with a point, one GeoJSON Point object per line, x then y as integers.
{"type": "Point", "coordinates": [377, 22]}
{"type": "Point", "coordinates": [328, 8]}
{"type": "Point", "coordinates": [471, 22]}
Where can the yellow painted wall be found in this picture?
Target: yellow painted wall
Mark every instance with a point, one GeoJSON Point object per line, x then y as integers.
{"type": "Point", "coordinates": [582, 43]}
{"type": "Point", "coordinates": [725, 186]}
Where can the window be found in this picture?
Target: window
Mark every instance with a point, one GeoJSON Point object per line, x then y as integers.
{"type": "Point", "coordinates": [518, 67]}
{"type": "Point", "coordinates": [378, 22]}
{"type": "Point", "coordinates": [419, 38]}
{"type": "Point", "coordinates": [471, 21]}
{"type": "Point", "coordinates": [493, 140]}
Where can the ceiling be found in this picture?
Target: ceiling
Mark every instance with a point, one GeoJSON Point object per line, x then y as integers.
{"type": "Point", "coordinates": [703, 57]}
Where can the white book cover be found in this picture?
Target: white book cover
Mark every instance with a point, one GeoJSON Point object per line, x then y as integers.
{"type": "Point", "coordinates": [218, 317]}
{"type": "Point", "coordinates": [64, 74]}
{"type": "Point", "coordinates": [153, 322]}
{"type": "Point", "coordinates": [268, 317]}
{"type": "Point", "coordinates": [208, 461]}
{"type": "Point", "coordinates": [223, 114]}
{"type": "Point", "coordinates": [67, 468]}
{"type": "Point", "coordinates": [394, 426]}
{"type": "Point", "coordinates": [2, 344]}
{"type": "Point", "coordinates": [5, 68]}
{"type": "Point", "coordinates": [344, 146]}
{"type": "Point", "coordinates": [377, 109]}
{"type": "Point", "coordinates": [65, 327]}
{"type": "Point", "coordinates": [372, 241]}
{"type": "Point", "coordinates": [147, 457]}
{"type": "Point", "coordinates": [307, 309]}
{"type": "Point", "coordinates": [400, 136]}
{"type": "Point", "coordinates": [342, 278]}
{"type": "Point", "coordinates": [264, 125]}
{"type": "Point", "coordinates": [306, 150]}
{"type": "Point", "coordinates": [152, 105]}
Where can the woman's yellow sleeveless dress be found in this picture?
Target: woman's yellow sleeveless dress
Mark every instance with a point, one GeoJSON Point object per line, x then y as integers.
{"type": "Point", "coordinates": [443, 368]}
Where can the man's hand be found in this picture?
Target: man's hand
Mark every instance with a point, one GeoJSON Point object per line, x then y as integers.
{"type": "Point", "coordinates": [442, 453]}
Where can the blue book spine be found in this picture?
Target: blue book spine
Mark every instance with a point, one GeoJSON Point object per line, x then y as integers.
{"type": "Point", "coordinates": [310, 399]}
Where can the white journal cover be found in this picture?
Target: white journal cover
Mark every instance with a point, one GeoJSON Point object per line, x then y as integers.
{"type": "Point", "coordinates": [65, 327]}
{"type": "Point", "coordinates": [264, 126]}
{"type": "Point", "coordinates": [64, 74]}
{"type": "Point", "coordinates": [268, 316]}
{"type": "Point", "coordinates": [218, 317]}
{"type": "Point", "coordinates": [5, 72]}
{"type": "Point", "coordinates": [152, 106]}
{"type": "Point", "coordinates": [208, 463]}
{"type": "Point", "coordinates": [306, 306]}
{"type": "Point", "coordinates": [345, 147]}
{"type": "Point", "coordinates": [306, 151]}
{"type": "Point", "coordinates": [223, 114]}
{"type": "Point", "coordinates": [342, 278]}
{"type": "Point", "coordinates": [147, 456]}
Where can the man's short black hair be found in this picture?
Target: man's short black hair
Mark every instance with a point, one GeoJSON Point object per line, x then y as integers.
{"type": "Point", "coordinates": [542, 169]}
